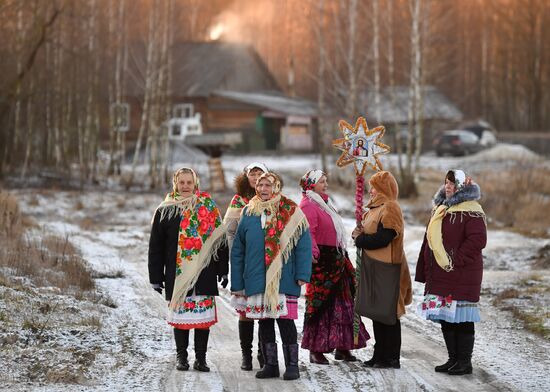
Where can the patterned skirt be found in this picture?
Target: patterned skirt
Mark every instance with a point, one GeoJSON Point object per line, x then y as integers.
{"type": "Point", "coordinates": [438, 308]}
{"type": "Point", "coordinates": [196, 311]}
{"type": "Point", "coordinates": [333, 329]}
{"type": "Point", "coordinates": [254, 307]}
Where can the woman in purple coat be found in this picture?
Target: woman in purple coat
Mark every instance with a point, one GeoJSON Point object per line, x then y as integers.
{"type": "Point", "coordinates": [450, 263]}
{"type": "Point", "coordinates": [328, 322]}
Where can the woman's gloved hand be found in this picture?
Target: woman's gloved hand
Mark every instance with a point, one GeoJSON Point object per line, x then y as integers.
{"type": "Point", "coordinates": [223, 280]}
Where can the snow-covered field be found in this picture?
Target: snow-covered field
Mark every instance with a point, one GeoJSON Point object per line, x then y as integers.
{"type": "Point", "coordinates": [134, 349]}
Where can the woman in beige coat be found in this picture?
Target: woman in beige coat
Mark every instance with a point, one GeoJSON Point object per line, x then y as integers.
{"type": "Point", "coordinates": [381, 238]}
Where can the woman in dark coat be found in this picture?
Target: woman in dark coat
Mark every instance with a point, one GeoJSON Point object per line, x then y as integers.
{"type": "Point", "coordinates": [245, 184]}
{"type": "Point", "coordinates": [187, 253]}
{"type": "Point", "coordinates": [450, 263]}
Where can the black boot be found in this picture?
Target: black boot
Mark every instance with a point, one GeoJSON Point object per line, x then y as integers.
{"type": "Point", "coordinates": [271, 366]}
{"type": "Point", "coordinates": [290, 352]}
{"type": "Point", "coordinates": [465, 347]}
{"type": "Point", "coordinates": [246, 334]}
{"type": "Point", "coordinates": [201, 345]}
{"type": "Point", "coordinates": [449, 334]}
{"type": "Point", "coordinates": [260, 355]}
{"type": "Point", "coordinates": [182, 341]}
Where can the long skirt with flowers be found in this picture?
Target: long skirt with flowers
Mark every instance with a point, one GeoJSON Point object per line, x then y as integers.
{"type": "Point", "coordinates": [255, 307]}
{"type": "Point", "coordinates": [196, 311]}
{"type": "Point", "coordinates": [329, 305]}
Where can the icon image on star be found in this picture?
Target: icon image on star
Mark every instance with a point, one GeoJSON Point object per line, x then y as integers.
{"type": "Point", "coordinates": [361, 148]}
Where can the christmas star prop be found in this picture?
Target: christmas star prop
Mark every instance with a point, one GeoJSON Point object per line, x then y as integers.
{"type": "Point", "coordinates": [360, 146]}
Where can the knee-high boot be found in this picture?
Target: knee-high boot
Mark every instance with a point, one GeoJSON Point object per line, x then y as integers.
{"type": "Point", "coordinates": [465, 347]}
{"type": "Point", "coordinates": [290, 352]}
{"type": "Point", "coordinates": [271, 365]}
{"type": "Point", "coordinates": [246, 335]}
{"type": "Point", "coordinates": [449, 334]}
{"type": "Point", "coordinates": [201, 345]}
{"type": "Point", "coordinates": [181, 337]}
{"type": "Point", "coordinates": [260, 355]}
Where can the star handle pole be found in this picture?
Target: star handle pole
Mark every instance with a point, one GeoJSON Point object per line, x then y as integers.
{"type": "Point", "coordinates": [359, 190]}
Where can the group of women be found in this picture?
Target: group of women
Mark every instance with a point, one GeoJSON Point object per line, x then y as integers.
{"type": "Point", "coordinates": [274, 246]}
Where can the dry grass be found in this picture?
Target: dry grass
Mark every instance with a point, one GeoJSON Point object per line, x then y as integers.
{"type": "Point", "coordinates": [78, 205]}
{"type": "Point", "coordinates": [50, 261]}
{"type": "Point", "coordinates": [518, 198]}
{"type": "Point", "coordinates": [87, 224]}
{"type": "Point", "coordinates": [526, 303]}
{"type": "Point", "coordinates": [10, 216]}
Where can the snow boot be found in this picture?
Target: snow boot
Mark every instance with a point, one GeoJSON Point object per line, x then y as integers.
{"type": "Point", "coordinates": [318, 358]}
{"type": "Point", "coordinates": [246, 335]}
{"type": "Point", "coordinates": [290, 352]}
{"type": "Point", "coordinates": [201, 345]}
{"type": "Point", "coordinates": [182, 341]}
{"type": "Point", "coordinates": [344, 355]}
{"type": "Point", "coordinates": [260, 355]}
{"type": "Point", "coordinates": [449, 334]}
{"type": "Point", "coordinates": [271, 366]}
{"type": "Point", "coordinates": [465, 347]}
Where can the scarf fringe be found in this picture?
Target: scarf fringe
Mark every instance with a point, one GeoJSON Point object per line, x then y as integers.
{"type": "Point", "coordinates": [434, 231]}
{"type": "Point", "coordinates": [208, 252]}
{"type": "Point", "coordinates": [296, 226]}
{"type": "Point", "coordinates": [232, 214]}
{"type": "Point", "coordinates": [170, 207]}
{"type": "Point", "coordinates": [257, 206]}
{"type": "Point", "coordinates": [330, 209]}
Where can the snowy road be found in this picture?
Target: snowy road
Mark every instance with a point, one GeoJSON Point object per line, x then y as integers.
{"type": "Point", "coordinates": [505, 357]}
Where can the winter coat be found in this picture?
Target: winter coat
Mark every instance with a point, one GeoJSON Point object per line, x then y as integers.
{"type": "Point", "coordinates": [247, 260]}
{"type": "Point", "coordinates": [321, 226]}
{"type": "Point", "coordinates": [464, 237]}
{"type": "Point", "coordinates": [385, 214]}
{"type": "Point", "coordinates": [163, 247]}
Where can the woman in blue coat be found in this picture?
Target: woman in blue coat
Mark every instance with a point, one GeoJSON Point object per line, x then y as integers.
{"type": "Point", "coordinates": [270, 260]}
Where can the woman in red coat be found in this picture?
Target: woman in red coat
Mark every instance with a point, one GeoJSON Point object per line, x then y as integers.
{"type": "Point", "coordinates": [450, 263]}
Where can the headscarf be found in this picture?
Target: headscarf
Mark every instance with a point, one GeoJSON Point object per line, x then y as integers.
{"type": "Point", "coordinates": [255, 165]}
{"type": "Point", "coordinates": [283, 224]}
{"type": "Point", "coordinates": [307, 183]}
{"type": "Point", "coordinates": [200, 234]}
{"type": "Point", "coordinates": [175, 204]}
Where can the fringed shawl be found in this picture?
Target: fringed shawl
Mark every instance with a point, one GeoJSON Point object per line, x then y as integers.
{"type": "Point", "coordinates": [283, 223]}
{"type": "Point", "coordinates": [200, 235]}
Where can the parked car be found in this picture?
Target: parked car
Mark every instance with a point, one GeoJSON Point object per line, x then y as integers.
{"type": "Point", "coordinates": [456, 142]}
{"type": "Point", "coordinates": [484, 131]}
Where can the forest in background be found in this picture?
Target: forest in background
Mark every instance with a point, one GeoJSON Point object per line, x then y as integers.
{"type": "Point", "coordinates": [63, 63]}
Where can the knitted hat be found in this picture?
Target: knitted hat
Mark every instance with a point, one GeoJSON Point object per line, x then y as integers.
{"type": "Point", "coordinates": [308, 180]}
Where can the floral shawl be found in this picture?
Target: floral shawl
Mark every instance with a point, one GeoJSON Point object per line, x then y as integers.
{"type": "Point", "coordinates": [235, 208]}
{"type": "Point", "coordinates": [200, 235]}
{"type": "Point", "coordinates": [283, 224]}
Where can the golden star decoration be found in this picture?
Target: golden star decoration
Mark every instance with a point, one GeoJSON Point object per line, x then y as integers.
{"type": "Point", "coordinates": [360, 146]}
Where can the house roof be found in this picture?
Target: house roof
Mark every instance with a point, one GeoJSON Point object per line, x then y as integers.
{"type": "Point", "coordinates": [272, 101]}
{"type": "Point", "coordinates": [394, 105]}
{"type": "Point", "coordinates": [199, 68]}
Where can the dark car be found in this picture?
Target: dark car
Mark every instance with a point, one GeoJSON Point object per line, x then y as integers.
{"type": "Point", "coordinates": [484, 131]}
{"type": "Point", "coordinates": [456, 143]}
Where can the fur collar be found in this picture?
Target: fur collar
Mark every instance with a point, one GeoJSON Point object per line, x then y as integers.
{"type": "Point", "coordinates": [467, 193]}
